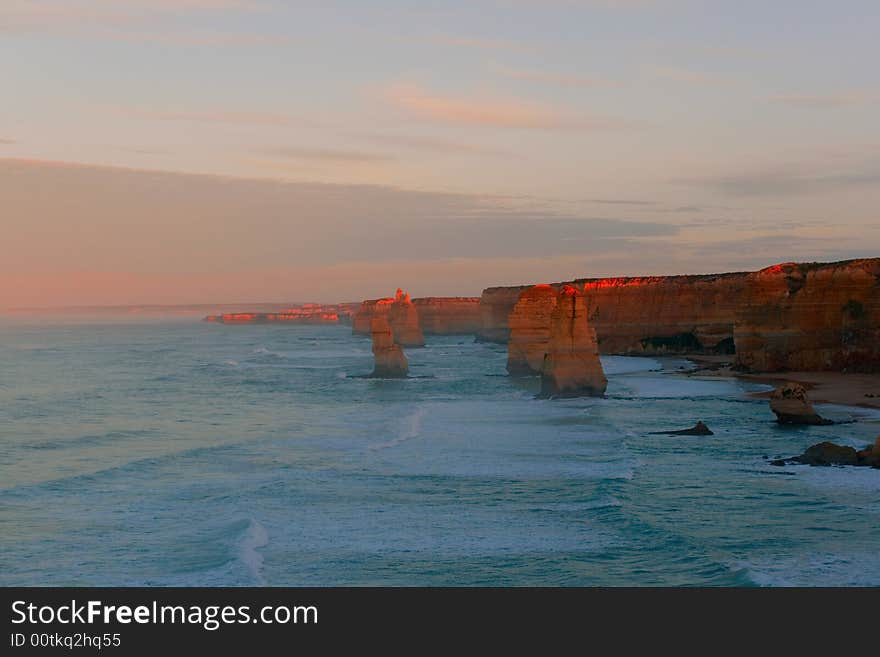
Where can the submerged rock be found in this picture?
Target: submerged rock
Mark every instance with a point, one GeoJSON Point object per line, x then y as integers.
{"type": "Point", "coordinates": [571, 365]}
{"type": "Point", "coordinates": [699, 429]}
{"type": "Point", "coordinates": [390, 361]}
{"type": "Point", "coordinates": [792, 406]}
{"type": "Point", "coordinates": [828, 453]}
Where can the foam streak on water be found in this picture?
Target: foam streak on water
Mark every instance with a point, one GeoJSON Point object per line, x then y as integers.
{"type": "Point", "coordinates": [183, 453]}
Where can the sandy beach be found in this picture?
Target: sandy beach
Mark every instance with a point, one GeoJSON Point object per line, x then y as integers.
{"type": "Point", "coordinates": [853, 389]}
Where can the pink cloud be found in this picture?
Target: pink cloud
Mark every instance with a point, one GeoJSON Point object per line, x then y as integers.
{"type": "Point", "coordinates": [494, 112]}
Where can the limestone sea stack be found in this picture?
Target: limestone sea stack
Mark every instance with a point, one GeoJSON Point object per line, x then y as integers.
{"type": "Point", "coordinates": [390, 361]}
{"type": "Point", "coordinates": [530, 330]}
{"type": "Point", "coordinates": [571, 366]}
{"type": "Point", "coordinates": [404, 320]}
{"type": "Point", "coordinates": [792, 406]}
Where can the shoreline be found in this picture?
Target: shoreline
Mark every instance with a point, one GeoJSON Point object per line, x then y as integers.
{"type": "Point", "coordinates": [824, 387]}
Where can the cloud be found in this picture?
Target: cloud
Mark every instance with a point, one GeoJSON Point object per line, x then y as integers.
{"type": "Point", "coordinates": [106, 218]}
{"type": "Point", "coordinates": [211, 116]}
{"type": "Point", "coordinates": [492, 112]}
{"type": "Point", "coordinates": [199, 39]}
{"type": "Point", "coordinates": [7, 142]}
{"type": "Point", "coordinates": [558, 79]}
{"type": "Point", "coordinates": [430, 144]}
{"type": "Point", "coordinates": [791, 180]}
{"type": "Point", "coordinates": [328, 155]}
{"type": "Point", "coordinates": [27, 15]}
{"type": "Point", "coordinates": [480, 43]}
{"type": "Point", "coordinates": [820, 102]}
{"type": "Point", "coordinates": [686, 76]}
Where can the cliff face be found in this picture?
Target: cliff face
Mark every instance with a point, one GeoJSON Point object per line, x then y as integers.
{"type": "Point", "coordinates": [496, 304]}
{"type": "Point", "coordinates": [390, 361]}
{"type": "Point", "coordinates": [529, 324]}
{"type": "Point", "coordinates": [404, 320]}
{"type": "Point", "coordinates": [434, 315]}
{"type": "Point", "coordinates": [664, 314]}
{"type": "Point", "coordinates": [449, 315]}
{"type": "Point", "coordinates": [571, 366]}
{"type": "Point", "coordinates": [811, 317]}
{"type": "Point", "coordinates": [647, 315]}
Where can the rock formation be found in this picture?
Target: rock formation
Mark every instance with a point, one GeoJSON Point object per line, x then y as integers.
{"type": "Point", "coordinates": [828, 453]}
{"type": "Point", "coordinates": [404, 320]}
{"type": "Point", "coordinates": [448, 315]}
{"type": "Point", "coordinates": [571, 366]}
{"type": "Point", "coordinates": [808, 317]}
{"type": "Point", "coordinates": [390, 361]}
{"type": "Point", "coordinates": [792, 406]}
{"type": "Point", "coordinates": [699, 429]}
{"type": "Point", "coordinates": [435, 315]}
{"type": "Point", "coordinates": [530, 330]}
{"type": "Point", "coordinates": [786, 317]}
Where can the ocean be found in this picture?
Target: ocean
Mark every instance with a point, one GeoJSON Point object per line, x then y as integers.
{"type": "Point", "coordinates": [180, 453]}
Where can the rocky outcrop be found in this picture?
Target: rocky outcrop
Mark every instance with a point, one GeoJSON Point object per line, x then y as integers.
{"type": "Point", "coordinates": [808, 317]}
{"type": "Point", "coordinates": [828, 453]}
{"type": "Point", "coordinates": [390, 361]}
{"type": "Point", "coordinates": [571, 365]}
{"type": "Point", "coordinates": [448, 315]}
{"type": "Point", "coordinates": [496, 304]}
{"type": "Point", "coordinates": [307, 313]}
{"type": "Point", "coordinates": [792, 406]}
{"type": "Point", "coordinates": [434, 315]}
{"type": "Point", "coordinates": [529, 324]}
{"type": "Point", "coordinates": [404, 320]}
{"type": "Point", "coordinates": [641, 315]}
{"type": "Point", "coordinates": [787, 317]}
{"type": "Point", "coordinates": [699, 429]}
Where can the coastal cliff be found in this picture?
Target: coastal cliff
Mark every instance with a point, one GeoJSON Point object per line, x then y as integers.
{"type": "Point", "coordinates": [808, 317]}
{"type": "Point", "coordinates": [435, 315]}
{"type": "Point", "coordinates": [811, 317]}
{"type": "Point", "coordinates": [404, 320]}
{"type": "Point", "coordinates": [571, 365]}
{"type": "Point", "coordinates": [529, 324]}
{"type": "Point", "coordinates": [449, 315]}
{"type": "Point", "coordinates": [640, 315]}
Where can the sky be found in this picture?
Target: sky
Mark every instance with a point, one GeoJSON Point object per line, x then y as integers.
{"type": "Point", "coordinates": [225, 151]}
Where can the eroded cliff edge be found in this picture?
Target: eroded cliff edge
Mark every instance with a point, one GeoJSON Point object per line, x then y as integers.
{"type": "Point", "coordinates": [816, 316]}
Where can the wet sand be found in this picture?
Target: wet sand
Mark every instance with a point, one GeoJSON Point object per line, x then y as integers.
{"type": "Point", "coordinates": [824, 387]}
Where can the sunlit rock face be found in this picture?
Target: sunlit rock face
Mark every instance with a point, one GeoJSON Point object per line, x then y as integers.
{"type": "Point", "coordinates": [448, 315]}
{"type": "Point", "coordinates": [571, 365]}
{"type": "Point", "coordinates": [434, 316]}
{"type": "Point", "coordinates": [389, 359]}
{"type": "Point", "coordinates": [529, 325]}
{"type": "Point", "coordinates": [644, 315]}
{"type": "Point", "coordinates": [802, 317]}
{"type": "Point", "coordinates": [404, 320]}
{"type": "Point", "coordinates": [496, 304]}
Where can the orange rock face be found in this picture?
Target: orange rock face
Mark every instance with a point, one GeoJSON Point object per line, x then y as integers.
{"type": "Point", "coordinates": [496, 304]}
{"type": "Point", "coordinates": [529, 324]}
{"type": "Point", "coordinates": [404, 320]}
{"type": "Point", "coordinates": [449, 315]}
{"type": "Point", "coordinates": [389, 359]}
{"type": "Point", "coordinates": [571, 366]}
{"type": "Point", "coordinates": [811, 317]}
{"type": "Point", "coordinates": [435, 315]}
{"type": "Point", "coordinates": [646, 315]}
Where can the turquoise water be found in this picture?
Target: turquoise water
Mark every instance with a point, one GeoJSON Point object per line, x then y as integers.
{"type": "Point", "coordinates": [181, 453]}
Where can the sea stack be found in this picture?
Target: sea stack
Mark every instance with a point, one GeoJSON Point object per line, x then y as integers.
{"type": "Point", "coordinates": [404, 320]}
{"type": "Point", "coordinates": [571, 366]}
{"type": "Point", "coordinates": [390, 361]}
{"type": "Point", "coordinates": [792, 406]}
{"type": "Point", "coordinates": [530, 330]}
